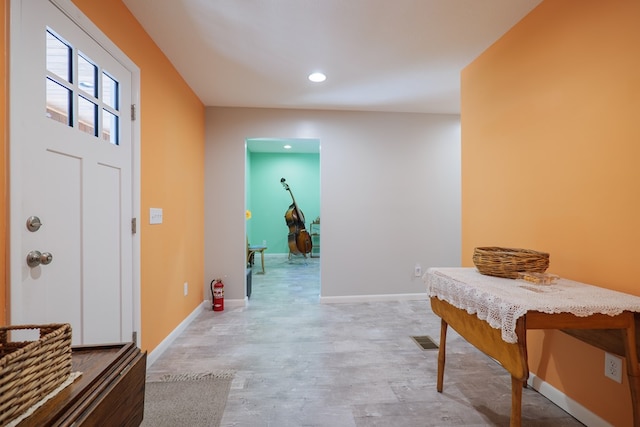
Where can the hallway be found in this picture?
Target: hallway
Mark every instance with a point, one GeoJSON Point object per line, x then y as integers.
{"type": "Point", "coordinates": [301, 363]}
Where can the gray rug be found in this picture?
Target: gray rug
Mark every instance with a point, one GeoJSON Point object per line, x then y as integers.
{"type": "Point", "coordinates": [192, 400]}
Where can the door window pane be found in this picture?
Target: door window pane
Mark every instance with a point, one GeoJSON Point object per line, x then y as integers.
{"type": "Point", "coordinates": [110, 128]}
{"type": "Point", "coordinates": [59, 102]}
{"type": "Point", "coordinates": [87, 76]}
{"type": "Point", "coordinates": [58, 57]}
{"type": "Point", "coordinates": [110, 91]}
{"type": "Point", "coordinates": [87, 116]}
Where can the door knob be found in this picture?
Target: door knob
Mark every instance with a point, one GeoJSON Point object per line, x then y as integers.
{"type": "Point", "coordinates": [46, 258]}
{"type": "Point", "coordinates": [35, 258]}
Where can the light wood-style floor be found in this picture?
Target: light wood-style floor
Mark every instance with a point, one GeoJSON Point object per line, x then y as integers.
{"type": "Point", "coordinates": [301, 363]}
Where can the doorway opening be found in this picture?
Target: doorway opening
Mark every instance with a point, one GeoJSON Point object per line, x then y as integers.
{"type": "Point", "coordinates": [267, 200]}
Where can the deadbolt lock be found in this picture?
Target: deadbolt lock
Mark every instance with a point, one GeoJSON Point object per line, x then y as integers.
{"type": "Point", "coordinates": [33, 223]}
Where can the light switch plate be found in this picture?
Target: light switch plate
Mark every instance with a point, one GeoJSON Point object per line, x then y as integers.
{"type": "Point", "coordinates": [155, 215]}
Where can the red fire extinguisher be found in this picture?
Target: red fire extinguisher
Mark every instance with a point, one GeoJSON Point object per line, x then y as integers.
{"type": "Point", "coordinates": [217, 292]}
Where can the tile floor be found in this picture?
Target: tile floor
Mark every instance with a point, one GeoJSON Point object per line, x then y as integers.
{"type": "Point", "coordinates": [301, 363]}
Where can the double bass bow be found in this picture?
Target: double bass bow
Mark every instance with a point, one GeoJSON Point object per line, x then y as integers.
{"type": "Point", "coordinates": [299, 239]}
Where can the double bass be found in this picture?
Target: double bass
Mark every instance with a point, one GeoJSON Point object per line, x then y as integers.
{"type": "Point", "coordinates": [299, 239]}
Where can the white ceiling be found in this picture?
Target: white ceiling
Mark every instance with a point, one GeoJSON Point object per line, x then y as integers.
{"type": "Point", "coordinates": [379, 55]}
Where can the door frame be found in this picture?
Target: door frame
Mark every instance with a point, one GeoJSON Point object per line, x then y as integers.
{"type": "Point", "coordinates": [83, 22]}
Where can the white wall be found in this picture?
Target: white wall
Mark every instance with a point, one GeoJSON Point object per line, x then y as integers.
{"type": "Point", "coordinates": [390, 195]}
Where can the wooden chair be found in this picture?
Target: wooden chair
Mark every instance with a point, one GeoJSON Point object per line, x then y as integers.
{"type": "Point", "coordinates": [251, 251]}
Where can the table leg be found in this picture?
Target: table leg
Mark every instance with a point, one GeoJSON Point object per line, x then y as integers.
{"type": "Point", "coordinates": [516, 402]}
{"type": "Point", "coordinates": [262, 260]}
{"type": "Point", "coordinates": [512, 356]}
{"type": "Point", "coordinates": [441, 354]}
{"type": "Point", "coordinates": [633, 371]}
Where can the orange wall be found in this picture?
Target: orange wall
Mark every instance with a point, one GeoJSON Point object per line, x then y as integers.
{"type": "Point", "coordinates": [550, 146]}
{"type": "Point", "coordinates": [172, 176]}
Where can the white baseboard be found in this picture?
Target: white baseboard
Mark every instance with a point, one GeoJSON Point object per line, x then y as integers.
{"type": "Point", "coordinates": [164, 345]}
{"type": "Point", "coordinates": [569, 405]}
{"type": "Point", "coordinates": [228, 303]}
{"type": "Point", "coordinates": [233, 303]}
{"type": "Point", "coordinates": [373, 298]}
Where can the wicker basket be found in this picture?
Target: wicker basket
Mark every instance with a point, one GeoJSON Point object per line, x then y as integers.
{"type": "Point", "coordinates": [508, 262]}
{"type": "Point", "coordinates": [30, 370]}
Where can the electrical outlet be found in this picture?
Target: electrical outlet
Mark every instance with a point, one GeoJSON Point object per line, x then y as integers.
{"type": "Point", "coordinates": [186, 289]}
{"type": "Point", "coordinates": [417, 270]}
{"type": "Point", "coordinates": [613, 367]}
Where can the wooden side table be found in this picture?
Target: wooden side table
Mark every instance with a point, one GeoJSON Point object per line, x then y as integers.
{"type": "Point", "coordinates": [252, 250]}
{"type": "Point", "coordinates": [513, 355]}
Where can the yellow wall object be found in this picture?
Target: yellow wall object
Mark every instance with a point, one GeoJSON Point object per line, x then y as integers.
{"type": "Point", "coordinates": [550, 145]}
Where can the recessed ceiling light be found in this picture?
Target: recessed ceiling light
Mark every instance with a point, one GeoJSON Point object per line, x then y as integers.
{"type": "Point", "coordinates": [317, 77]}
{"type": "Point", "coordinates": [287, 147]}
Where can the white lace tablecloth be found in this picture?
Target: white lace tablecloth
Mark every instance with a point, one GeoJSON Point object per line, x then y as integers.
{"type": "Point", "coordinates": [501, 302]}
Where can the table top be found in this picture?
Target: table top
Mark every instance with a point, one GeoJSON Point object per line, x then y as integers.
{"type": "Point", "coordinates": [501, 302]}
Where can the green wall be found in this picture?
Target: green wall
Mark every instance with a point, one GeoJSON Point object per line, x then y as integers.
{"type": "Point", "coordinates": [268, 201]}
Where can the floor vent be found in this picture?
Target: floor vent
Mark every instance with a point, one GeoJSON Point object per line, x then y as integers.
{"type": "Point", "coordinates": [425, 342]}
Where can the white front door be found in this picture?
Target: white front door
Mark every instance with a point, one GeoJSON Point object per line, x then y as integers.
{"type": "Point", "coordinates": [71, 166]}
